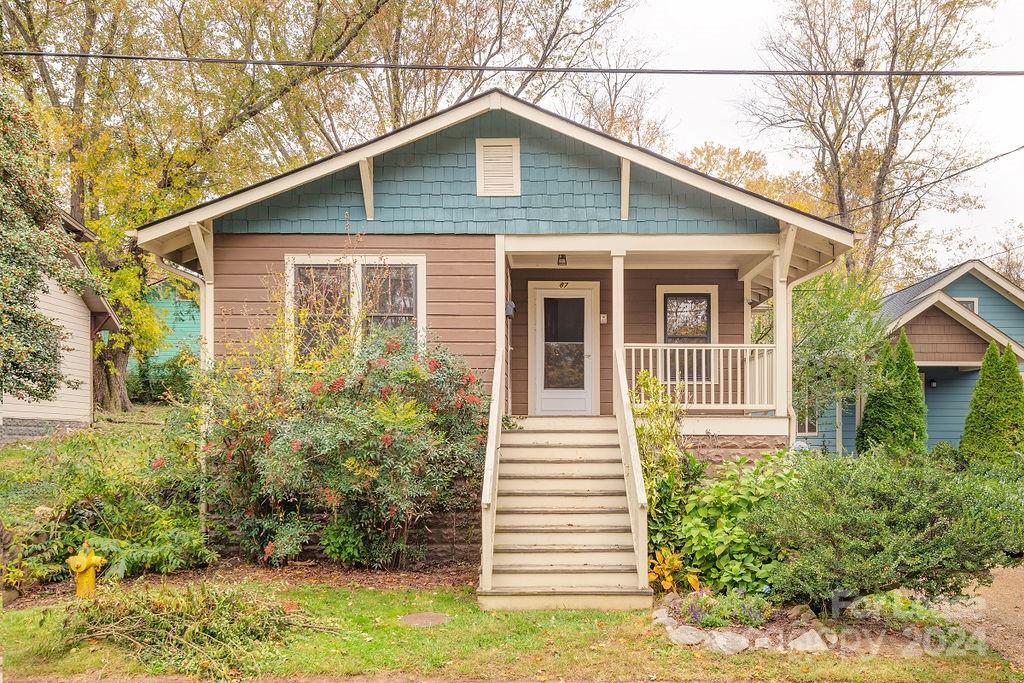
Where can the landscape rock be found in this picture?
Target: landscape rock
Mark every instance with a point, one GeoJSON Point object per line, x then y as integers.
{"type": "Point", "coordinates": [763, 643]}
{"type": "Point", "coordinates": [670, 600]}
{"type": "Point", "coordinates": [668, 622]}
{"type": "Point", "coordinates": [798, 611]}
{"type": "Point", "coordinates": [808, 641]}
{"type": "Point", "coordinates": [687, 635]}
{"type": "Point", "coordinates": [659, 614]}
{"type": "Point", "coordinates": [726, 643]}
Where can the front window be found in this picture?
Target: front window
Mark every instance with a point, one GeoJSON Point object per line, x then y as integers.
{"type": "Point", "coordinates": [327, 292]}
{"type": "Point", "coordinates": [687, 318]}
{"type": "Point", "coordinates": [807, 420]}
{"type": "Point", "coordinates": [322, 306]}
{"type": "Point", "coordinates": [389, 294]}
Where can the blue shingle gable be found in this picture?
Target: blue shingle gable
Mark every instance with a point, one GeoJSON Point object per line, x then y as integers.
{"type": "Point", "coordinates": [429, 186]}
{"type": "Point", "coordinates": [992, 306]}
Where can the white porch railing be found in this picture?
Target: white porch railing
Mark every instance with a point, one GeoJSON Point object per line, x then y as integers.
{"type": "Point", "coordinates": [636, 494]}
{"type": "Point", "coordinates": [490, 479]}
{"type": "Point", "coordinates": [709, 376]}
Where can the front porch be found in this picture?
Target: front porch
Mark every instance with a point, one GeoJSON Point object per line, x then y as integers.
{"type": "Point", "coordinates": [564, 507]}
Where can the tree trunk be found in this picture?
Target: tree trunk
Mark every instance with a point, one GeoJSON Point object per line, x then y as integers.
{"type": "Point", "coordinates": [108, 379]}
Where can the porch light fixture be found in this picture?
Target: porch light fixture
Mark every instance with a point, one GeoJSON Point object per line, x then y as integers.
{"type": "Point", "coordinates": [562, 261]}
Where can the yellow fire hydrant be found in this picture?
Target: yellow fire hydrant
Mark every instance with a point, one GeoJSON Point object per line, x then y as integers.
{"type": "Point", "coordinates": [84, 567]}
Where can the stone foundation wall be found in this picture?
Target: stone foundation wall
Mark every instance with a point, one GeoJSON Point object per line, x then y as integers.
{"type": "Point", "coordinates": [715, 449]}
{"type": "Point", "coordinates": [15, 428]}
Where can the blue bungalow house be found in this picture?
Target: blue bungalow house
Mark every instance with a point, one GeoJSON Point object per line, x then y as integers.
{"type": "Point", "coordinates": [950, 318]}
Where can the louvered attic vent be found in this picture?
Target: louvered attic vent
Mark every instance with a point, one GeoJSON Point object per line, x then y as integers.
{"type": "Point", "coordinates": [497, 167]}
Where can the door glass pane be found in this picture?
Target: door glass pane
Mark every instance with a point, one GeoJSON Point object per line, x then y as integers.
{"type": "Point", "coordinates": [564, 347]}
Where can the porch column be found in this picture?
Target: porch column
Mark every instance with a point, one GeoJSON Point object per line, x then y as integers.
{"type": "Point", "coordinates": [780, 295]}
{"type": "Point", "coordinates": [618, 312]}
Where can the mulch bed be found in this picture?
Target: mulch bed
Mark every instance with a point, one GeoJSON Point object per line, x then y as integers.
{"type": "Point", "coordinates": [295, 574]}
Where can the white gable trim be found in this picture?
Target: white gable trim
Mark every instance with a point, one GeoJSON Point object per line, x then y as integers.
{"type": "Point", "coordinates": [962, 315]}
{"type": "Point", "coordinates": [149, 236]}
{"type": "Point", "coordinates": [984, 273]}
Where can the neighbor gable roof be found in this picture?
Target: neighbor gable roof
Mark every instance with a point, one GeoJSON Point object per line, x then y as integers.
{"type": "Point", "coordinates": [954, 309]}
{"type": "Point", "coordinates": [897, 304]}
{"type": "Point", "coordinates": [152, 234]}
{"type": "Point", "coordinates": [97, 305]}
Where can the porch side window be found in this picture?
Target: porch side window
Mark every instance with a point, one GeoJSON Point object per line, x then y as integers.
{"type": "Point", "coordinates": [389, 294]}
{"type": "Point", "coordinates": [807, 420]}
{"type": "Point", "coordinates": [321, 303]}
{"type": "Point", "coordinates": [687, 318]}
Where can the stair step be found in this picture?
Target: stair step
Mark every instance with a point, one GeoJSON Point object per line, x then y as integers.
{"type": "Point", "coordinates": [581, 468]}
{"type": "Point", "coordinates": [563, 534]}
{"type": "Point", "coordinates": [567, 476]}
{"type": "Point", "coordinates": [577, 511]}
{"type": "Point", "coordinates": [590, 485]}
{"type": "Point", "coordinates": [561, 452]}
{"type": "Point", "coordinates": [565, 598]}
{"type": "Point", "coordinates": [562, 422]}
{"type": "Point", "coordinates": [566, 502]}
{"type": "Point", "coordinates": [581, 568]}
{"type": "Point", "coordinates": [571, 438]}
{"type": "Point", "coordinates": [509, 548]}
{"type": "Point", "coordinates": [561, 492]}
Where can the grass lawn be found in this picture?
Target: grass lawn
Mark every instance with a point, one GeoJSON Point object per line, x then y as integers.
{"type": "Point", "coordinates": [477, 644]}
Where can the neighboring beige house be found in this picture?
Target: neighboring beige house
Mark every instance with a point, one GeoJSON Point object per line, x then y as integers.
{"type": "Point", "coordinates": [569, 261]}
{"type": "Point", "coordinates": [83, 316]}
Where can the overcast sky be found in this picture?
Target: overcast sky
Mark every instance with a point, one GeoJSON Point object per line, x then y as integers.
{"type": "Point", "coordinates": [728, 33]}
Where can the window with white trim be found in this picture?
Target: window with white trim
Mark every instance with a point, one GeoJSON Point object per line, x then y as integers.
{"type": "Point", "coordinates": [970, 302]}
{"type": "Point", "coordinates": [807, 421]}
{"type": "Point", "coordinates": [326, 292]}
{"type": "Point", "coordinates": [497, 167]}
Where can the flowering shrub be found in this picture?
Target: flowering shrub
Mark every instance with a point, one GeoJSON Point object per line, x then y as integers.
{"type": "Point", "coordinates": [372, 436]}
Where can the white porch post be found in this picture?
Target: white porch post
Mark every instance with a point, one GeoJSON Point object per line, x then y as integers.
{"type": "Point", "coordinates": [780, 291]}
{"type": "Point", "coordinates": [618, 306]}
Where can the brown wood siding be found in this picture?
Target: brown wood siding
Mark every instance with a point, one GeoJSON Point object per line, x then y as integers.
{"type": "Point", "coordinates": [519, 370]}
{"type": "Point", "coordinates": [639, 316]}
{"type": "Point", "coordinates": [936, 336]}
{"type": "Point", "coordinates": [249, 276]}
{"type": "Point", "coordinates": [641, 294]}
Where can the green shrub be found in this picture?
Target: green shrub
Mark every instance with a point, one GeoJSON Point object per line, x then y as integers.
{"type": "Point", "coordinates": [171, 379]}
{"type": "Point", "coordinates": [894, 415]}
{"type": "Point", "coordinates": [386, 432]}
{"type": "Point", "coordinates": [343, 542]}
{"type": "Point", "coordinates": [731, 608]}
{"type": "Point", "coordinates": [706, 525]}
{"type": "Point", "coordinates": [202, 630]}
{"type": "Point", "coordinates": [133, 498]}
{"type": "Point", "coordinates": [871, 524]}
{"type": "Point", "coordinates": [994, 427]}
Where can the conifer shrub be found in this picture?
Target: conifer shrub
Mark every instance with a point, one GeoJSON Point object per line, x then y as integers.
{"type": "Point", "coordinates": [994, 427]}
{"type": "Point", "coordinates": [894, 416]}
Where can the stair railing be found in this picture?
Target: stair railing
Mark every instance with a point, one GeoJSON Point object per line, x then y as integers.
{"type": "Point", "coordinates": [636, 494]}
{"type": "Point", "coordinates": [489, 495]}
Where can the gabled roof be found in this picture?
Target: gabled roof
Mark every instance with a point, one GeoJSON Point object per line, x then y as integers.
{"type": "Point", "coordinates": [151, 233]}
{"type": "Point", "coordinates": [897, 304]}
{"type": "Point", "coordinates": [899, 308]}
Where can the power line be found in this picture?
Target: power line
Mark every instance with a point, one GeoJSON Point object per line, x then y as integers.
{"type": "Point", "coordinates": [918, 188]}
{"type": "Point", "coordinates": [476, 68]}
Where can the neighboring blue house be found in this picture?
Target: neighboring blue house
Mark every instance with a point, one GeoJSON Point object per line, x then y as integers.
{"type": "Point", "coordinates": [950, 318]}
{"type": "Point", "coordinates": [182, 317]}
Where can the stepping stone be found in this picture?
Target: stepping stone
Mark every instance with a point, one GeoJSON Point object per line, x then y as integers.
{"type": "Point", "coordinates": [424, 619]}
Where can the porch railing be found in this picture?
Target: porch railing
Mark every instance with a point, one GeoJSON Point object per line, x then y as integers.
{"type": "Point", "coordinates": [709, 376]}
{"type": "Point", "coordinates": [490, 478]}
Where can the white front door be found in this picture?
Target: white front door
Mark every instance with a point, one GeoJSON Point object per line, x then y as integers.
{"type": "Point", "coordinates": [564, 353]}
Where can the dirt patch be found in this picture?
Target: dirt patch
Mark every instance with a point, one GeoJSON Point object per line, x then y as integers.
{"type": "Point", "coordinates": [995, 614]}
{"type": "Point", "coordinates": [108, 678]}
{"type": "Point", "coordinates": [294, 575]}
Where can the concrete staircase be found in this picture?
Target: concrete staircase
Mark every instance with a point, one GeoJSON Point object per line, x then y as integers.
{"type": "Point", "coordinates": [562, 535]}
